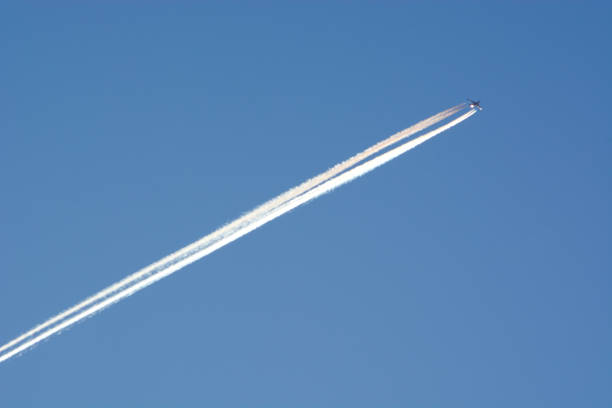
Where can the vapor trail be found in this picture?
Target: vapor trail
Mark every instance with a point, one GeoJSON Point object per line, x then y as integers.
{"type": "Point", "coordinates": [256, 223]}
{"type": "Point", "coordinates": [241, 221]}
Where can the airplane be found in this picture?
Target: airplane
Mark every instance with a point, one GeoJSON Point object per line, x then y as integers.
{"type": "Point", "coordinates": [475, 104]}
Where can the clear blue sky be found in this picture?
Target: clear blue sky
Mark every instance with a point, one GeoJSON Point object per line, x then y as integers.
{"type": "Point", "coordinates": [472, 272]}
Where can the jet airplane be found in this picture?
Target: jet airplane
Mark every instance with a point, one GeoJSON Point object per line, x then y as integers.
{"type": "Point", "coordinates": [475, 104]}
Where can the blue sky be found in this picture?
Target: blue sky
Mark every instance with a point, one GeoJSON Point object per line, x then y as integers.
{"type": "Point", "coordinates": [472, 272]}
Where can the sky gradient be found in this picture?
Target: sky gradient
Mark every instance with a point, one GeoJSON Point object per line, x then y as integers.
{"type": "Point", "coordinates": [472, 272]}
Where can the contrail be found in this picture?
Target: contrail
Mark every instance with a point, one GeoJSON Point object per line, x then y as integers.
{"type": "Point", "coordinates": [241, 221]}
{"type": "Point", "coordinates": [267, 217]}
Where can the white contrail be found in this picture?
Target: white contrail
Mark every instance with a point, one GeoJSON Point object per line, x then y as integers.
{"type": "Point", "coordinates": [282, 209]}
{"type": "Point", "coordinates": [241, 221]}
